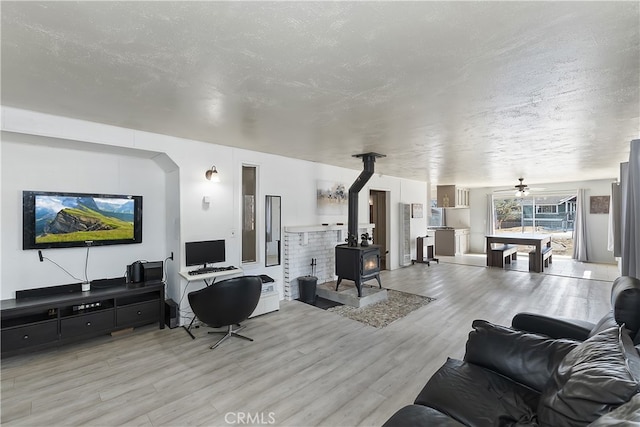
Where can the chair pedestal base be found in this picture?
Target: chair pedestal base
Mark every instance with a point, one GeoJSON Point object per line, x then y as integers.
{"type": "Point", "coordinates": [229, 333]}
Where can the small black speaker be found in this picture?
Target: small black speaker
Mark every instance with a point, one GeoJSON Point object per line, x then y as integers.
{"type": "Point", "coordinates": [134, 272]}
{"type": "Point", "coordinates": [171, 313]}
{"type": "Point", "coordinates": [152, 271]}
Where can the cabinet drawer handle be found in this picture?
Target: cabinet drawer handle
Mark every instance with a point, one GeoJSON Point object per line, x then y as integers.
{"type": "Point", "coordinates": [88, 323]}
{"type": "Point", "coordinates": [26, 337]}
{"type": "Point", "coordinates": [139, 312]}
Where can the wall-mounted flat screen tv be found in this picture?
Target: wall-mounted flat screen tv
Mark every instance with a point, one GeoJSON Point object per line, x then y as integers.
{"type": "Point", "coordinates": [63, 220]}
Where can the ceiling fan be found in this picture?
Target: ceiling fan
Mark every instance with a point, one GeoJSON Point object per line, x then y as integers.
{"type": "Point", "coordinates": [521, 189]}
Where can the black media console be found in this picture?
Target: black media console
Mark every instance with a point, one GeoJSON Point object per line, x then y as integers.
{"type": "Point", "coordinates": [40, 321]}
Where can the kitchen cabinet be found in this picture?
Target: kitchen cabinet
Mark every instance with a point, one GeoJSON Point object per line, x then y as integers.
{"type": "Point", "coordinates": [461, 241]}
{"type": "Point", "coordinates": [451, 242]}
{"type": "Point", "coordinates": [445, 242]}
{"type": "Point", "coordinates": [451, 196]}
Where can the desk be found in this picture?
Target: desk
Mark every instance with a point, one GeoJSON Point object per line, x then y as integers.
{"type": "Point", "coordinates": [193, 277]}
{"type": "Point", "coordinates": [213, 275]}
{"type": "Point", "coordinates": [535, 240]}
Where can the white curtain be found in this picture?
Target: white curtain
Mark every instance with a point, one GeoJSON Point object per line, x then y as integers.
{"type": "Point", "coordinates": [624, 180]}
{"type": "Point", "coordinates": [631, 213]}
{"type": "Point", "coordinates": [491, 215]}
{"type": "Point", "coordinates": [614, 238]}
{"type": "Point", "coordinates": [580, 229]}
{"type": "Point", "coordinates": [611, 225]}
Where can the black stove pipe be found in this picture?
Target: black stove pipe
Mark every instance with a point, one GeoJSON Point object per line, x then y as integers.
{"type": "Point", "coordinates": [369, 160]}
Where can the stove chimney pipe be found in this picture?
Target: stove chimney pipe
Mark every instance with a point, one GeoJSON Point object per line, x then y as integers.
{"type": "Point", "coordinates": [368, 160]}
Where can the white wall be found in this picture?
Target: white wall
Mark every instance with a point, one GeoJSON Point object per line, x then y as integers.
{"type": "Point", "coordinates": [171, 171]}
{"type": "Point", "coordinates": [458, 217]}
{"type": "Point", "coordinates": [597, 224]}
{"type": "Point", "coordinates": [34, 166]}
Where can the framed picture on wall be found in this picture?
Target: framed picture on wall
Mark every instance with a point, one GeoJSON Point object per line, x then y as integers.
{"type": "Point", "coordinates": [599, 204]}
{"type": "Point", "coordinates": [332, 198]}
{"type": "Point", "coordinates": [416, 210]}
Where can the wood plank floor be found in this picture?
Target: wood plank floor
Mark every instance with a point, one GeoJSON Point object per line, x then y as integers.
{"type": "Point", "coordinates": [306, 367]}
{"type": "Point", "coordinates": [561, 266]}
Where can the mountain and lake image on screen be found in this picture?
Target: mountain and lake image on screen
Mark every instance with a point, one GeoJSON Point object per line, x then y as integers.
{"type": "Point", "coordinates": [68, 219]}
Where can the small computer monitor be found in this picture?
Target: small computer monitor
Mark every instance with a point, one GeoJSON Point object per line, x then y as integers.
{"type": "Point", "coordinates": [204, 252]}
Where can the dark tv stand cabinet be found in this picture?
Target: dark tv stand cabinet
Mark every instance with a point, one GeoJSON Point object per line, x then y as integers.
{"type": "Point", "coordinates": [38, 322]}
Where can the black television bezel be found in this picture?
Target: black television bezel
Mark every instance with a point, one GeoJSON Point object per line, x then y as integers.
{"type": "Point", "coordinates": [29, 221]}
{"type": "Point", "coordinates": [224, 248]}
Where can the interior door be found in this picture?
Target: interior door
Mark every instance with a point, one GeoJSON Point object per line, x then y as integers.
{"type": "Point", "coordinates": [378, 216]}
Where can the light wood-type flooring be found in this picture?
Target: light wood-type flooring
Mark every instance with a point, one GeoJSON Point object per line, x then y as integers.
{"type": "Point", "coordinates": [306, 367]}
{"type": "Point", "coordinates": [561, 266]}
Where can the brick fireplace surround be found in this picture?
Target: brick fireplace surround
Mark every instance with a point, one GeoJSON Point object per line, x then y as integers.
{"type": "Point", "coordinates": [303, 243]}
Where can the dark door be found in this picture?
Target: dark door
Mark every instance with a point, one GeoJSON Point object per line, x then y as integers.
{"type": "Point", "coordinates": [378, 216]}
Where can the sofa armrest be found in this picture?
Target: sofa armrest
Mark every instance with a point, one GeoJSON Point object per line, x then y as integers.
{"type": "Point", "coordinates": [554, 327]}
{"type": "Point", "coordinates": [526, 358]}
{"type": "Point", "coordinates": [420, 416]}
{"type": "Point", "coordinates": [626, 414]}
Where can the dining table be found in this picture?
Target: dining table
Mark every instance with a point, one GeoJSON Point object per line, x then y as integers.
{"type": "Point", "coordinates": [537, 240]}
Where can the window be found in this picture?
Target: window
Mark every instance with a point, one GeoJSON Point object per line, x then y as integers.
{"type": "Point", "coordinates": [550, 214]}
{"type": "Point", "coordinates": [547, 209]}
{"type": "Point", "coordinates": [436, 219]}
{"type": "Point", "coordinates": [249, 241]}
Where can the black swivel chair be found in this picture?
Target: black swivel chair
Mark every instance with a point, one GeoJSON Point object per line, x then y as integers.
{"type": "Point", "coordinates": [227, 303]}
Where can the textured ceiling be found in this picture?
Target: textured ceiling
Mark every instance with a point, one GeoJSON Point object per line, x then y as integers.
{"type": "Point", "coordinates": [467, 93]}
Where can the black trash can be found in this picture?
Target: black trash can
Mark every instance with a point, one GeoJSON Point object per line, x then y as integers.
{"type": "Point", "coordinates": [307, 286]}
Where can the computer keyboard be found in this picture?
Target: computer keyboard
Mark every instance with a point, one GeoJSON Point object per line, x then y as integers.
{"type": "Point", "coordinates": [210, 270]}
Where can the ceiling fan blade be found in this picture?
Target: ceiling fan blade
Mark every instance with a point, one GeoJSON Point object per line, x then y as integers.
{"type": "Point", "coordinates": [512, 191]}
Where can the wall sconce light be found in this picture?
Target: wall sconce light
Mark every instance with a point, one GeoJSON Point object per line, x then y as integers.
{"type": "Point", "coordinates": [212, 174]}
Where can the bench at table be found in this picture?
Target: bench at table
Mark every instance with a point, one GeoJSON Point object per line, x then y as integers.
{"type": "Point", "coordinates": [538, 241]}
{"type": "Point", "coordinates": [502, 254]}
{"type": "Point", "coordinates": [546, 258]}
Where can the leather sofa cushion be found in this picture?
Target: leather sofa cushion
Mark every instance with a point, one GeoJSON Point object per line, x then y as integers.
{"type": "Point", "coordinates": [527, 358]}
{"type": "Point", "coordinates": [596, 377]}
{"type": "Point", "coordinates": [477, 396]}
{"type": "Point", "coordinates": [417, 416]}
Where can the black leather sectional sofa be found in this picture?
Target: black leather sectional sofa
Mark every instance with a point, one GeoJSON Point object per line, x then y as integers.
{"type": "Point", "coordinates": [541, 371]}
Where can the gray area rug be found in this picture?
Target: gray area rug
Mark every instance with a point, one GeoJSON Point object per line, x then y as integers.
{"type": "Point", "coordinates": [381, 314]}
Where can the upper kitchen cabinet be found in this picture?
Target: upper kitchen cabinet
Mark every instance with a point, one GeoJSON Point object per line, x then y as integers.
{"type": "Point", "coordinates": [450, 196]}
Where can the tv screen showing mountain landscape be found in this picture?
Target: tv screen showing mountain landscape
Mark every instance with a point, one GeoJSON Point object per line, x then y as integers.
{"type": "Point", "coordinates": [61, 218]}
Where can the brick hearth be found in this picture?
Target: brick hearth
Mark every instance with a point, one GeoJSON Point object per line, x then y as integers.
{"type": "Point", "coordinates": [301, 244]}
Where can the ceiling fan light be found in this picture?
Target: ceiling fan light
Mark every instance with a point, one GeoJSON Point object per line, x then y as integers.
{"type": "Point", "coordinates": [518, 193]}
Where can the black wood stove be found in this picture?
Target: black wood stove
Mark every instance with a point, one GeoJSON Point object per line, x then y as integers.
{"type": "Point", "coordinates": [357, 262]}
